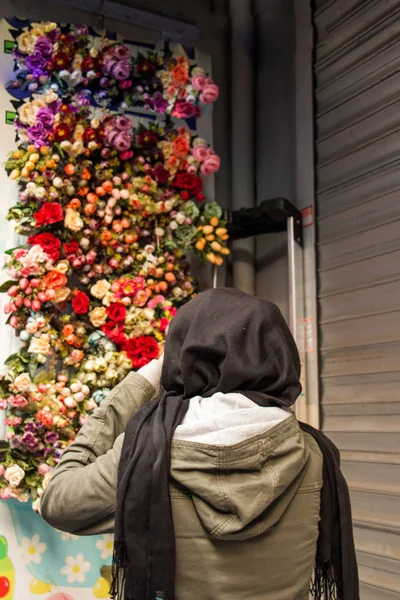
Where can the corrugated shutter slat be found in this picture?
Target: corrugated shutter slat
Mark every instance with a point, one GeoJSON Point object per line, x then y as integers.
{"type": "Point", "coordinates": [357, 92]}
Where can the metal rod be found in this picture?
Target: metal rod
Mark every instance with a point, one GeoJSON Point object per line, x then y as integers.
{"type": "Point", "coordinates": [215, 276]}
{"type": "Point", "coordinates": [296, 310]}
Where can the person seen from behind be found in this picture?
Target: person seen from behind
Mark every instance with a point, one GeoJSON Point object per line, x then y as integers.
{"type": "Point", "coordinates": [198, 465]}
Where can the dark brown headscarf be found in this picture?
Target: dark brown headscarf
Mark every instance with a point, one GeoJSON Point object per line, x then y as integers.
{"type": "Point", "coordinates": [222, 341]}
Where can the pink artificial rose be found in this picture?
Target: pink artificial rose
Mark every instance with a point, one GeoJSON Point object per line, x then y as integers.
{"type": "Point", "coordinates": [18, 254]}
{"type": "Point", "coordinates": [125, 85]}
{"type": "Point", "coordinates": [17, 401]}
{"type": "Point", "coordinates": [211, 164]}
{"type": "Point", "coordinates": [122, 52]}
{"type": "Point", "coordinates": [108, 64]}
{"type": "Point", "coordinates": [200, 153]}
{"type": "Point", "coordinates": [122, 123]}
{"type": "Point", "coordinates": [4, 493]}
{"type": "Point", "coordinates": [121, 70]}
{"type": "Point", "coordinates": [154, 302]}
{"type": "Point", "coordinates": [3, 404]}
{"type": "Point", "coordinates": [123, 141]}
{"type": "Point", "coordinates": [209, 94]}
{"type": "Point", "coordinates": [141, 297]}
{"type": "Point", "coordinates": [127, 155]}
{"type": "Point", "coordinates": [199, 82]}
{"type": "Point", "coordinates": [44, 469]}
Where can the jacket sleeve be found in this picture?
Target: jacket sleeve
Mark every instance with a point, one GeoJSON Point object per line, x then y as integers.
{"type": "Point", "coordinates": [81, 495]}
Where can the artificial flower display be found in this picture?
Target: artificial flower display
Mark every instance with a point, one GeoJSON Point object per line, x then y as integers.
{"type": "Point", "coordinates": [109, 210]}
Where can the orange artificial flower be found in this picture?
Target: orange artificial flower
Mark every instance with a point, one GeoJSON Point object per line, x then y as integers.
{"type": "Point", "coordinates": [92, 198]}
{"type": "Point", "coordinates": [181, 145]}
{"type": "Point", "coordinates": [67, 330]}
{"type": "Point", "coordinates": [54, 280]}
{"type": "Point", "coordinates": [83, 191]}
{"type": "Point", "coordinates": [184, 164]}
{"type": "Point", "coordinates": [89, 209]}
{"type": "Point", "coordinates": [180, 74]}
{"type": "Point", "coordinates": [75, 203]}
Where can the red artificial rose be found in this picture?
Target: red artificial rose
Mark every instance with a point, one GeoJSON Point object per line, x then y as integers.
{"type": "Point", "coordinates": [160, 174]}
{"type": "Point", "coordinates": [191, 183]}
{"type": "Point", "coordinates": [116, 312]}
{"type": "Point", "coordinates": [81, 303]}
{"type": "Point", "coordinates": [115, 331]}
{"type": "Point", "coordinates": [50, 212]}
{"type": "Point", "coordinates": [141, 350]}
{"type": "Point", "coordinates": [163, 324]}
{"type": "Point", "coordinates": [71, 247]}
{"type": "Point", "coordinates": [48, 242]}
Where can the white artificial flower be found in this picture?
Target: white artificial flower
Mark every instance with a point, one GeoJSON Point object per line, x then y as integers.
{"type": "Point", "coordinates": [180, 218]}
{"type": "Point", "coordinates": [40, 193]}
{"type": "Point", "coordinates": [14, 475]}
{"type": "Point", "coordinates": [75, 569]}
{"type": "Point", "coordinates": [32, 549]}
{"type": "Point", "coordinates": [106, 545]}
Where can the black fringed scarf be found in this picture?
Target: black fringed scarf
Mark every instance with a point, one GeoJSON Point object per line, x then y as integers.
{"type": "Point", "coordinates": [222, 341]}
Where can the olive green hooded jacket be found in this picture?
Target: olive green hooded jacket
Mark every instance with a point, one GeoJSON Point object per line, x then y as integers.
{"type": "Point", "coordinates": [245, 515]}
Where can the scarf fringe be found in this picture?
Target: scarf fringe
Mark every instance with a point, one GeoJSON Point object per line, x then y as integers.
{"type": "Point", "coordinates": [324, 585]}
{"type": "Point", "coordinates": [119, 571]}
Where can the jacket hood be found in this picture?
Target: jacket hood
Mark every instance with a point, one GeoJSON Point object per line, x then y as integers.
{"type": "Point", "coordinates": [241, 489]}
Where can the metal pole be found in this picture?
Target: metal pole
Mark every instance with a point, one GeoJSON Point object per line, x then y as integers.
{"type": "Point", "coordinates": [215, 276]}
{"type": "Point", "coordinates": [242, 127]}
{"type": "Point", "coordinates": [296, 310]}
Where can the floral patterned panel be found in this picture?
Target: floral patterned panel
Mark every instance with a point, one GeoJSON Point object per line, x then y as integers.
{"type": "Point", "coordinates": [105, 202]}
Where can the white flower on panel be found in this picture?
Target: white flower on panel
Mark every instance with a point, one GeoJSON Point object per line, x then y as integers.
{"type": "Point", "coordinates": [33, 549]}
{"type": "Point", "coordinates": [75, 568]}
{"type": "Point", "coordinates": [106, 545]}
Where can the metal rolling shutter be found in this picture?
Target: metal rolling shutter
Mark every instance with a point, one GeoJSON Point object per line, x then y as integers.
{"type": "Point", "coordinates": [357, 92]}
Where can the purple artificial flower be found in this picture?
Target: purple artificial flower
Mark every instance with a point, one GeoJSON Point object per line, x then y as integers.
{"type": "Point", "coordinates": [104, 82]}
{"type": "Point", "coordinates": [30, 428]}
{"type": "Point", "coordinates": [39, 425]}
{"type": "Point", "coordinates": [35, 61]}
{"type": "Point", "coordinates": [122, 123]}
{"type": "Point", "coordinates": [58, 453]}
{"type": "Point", "coordinates": [83, 98]}
{"type": "Point", "coordinates": [37, 134]}
{"type": "Point", "coordinates": [46, 117]}
{"type": "Point", "coordinates": [30, 442]}
{"type": "Point", "coordinates": [15, 441]}
{"type": "Point", "coordinates": [82, 30]}
{"type": "Point", "coordinates": [44, 45]}
{"type": "Point", "coordinates": [55, 106]}
{"type": "Point", "coordinates": [51, 437]}
{"type": "Point", "coordinates": [121, 70]}
{"type": "Point", "coordinates": [122, 52]}
{"type": "Point", "coordinates": [122, 141]}
{"type": "Point", "coordinates": [53, 35]}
